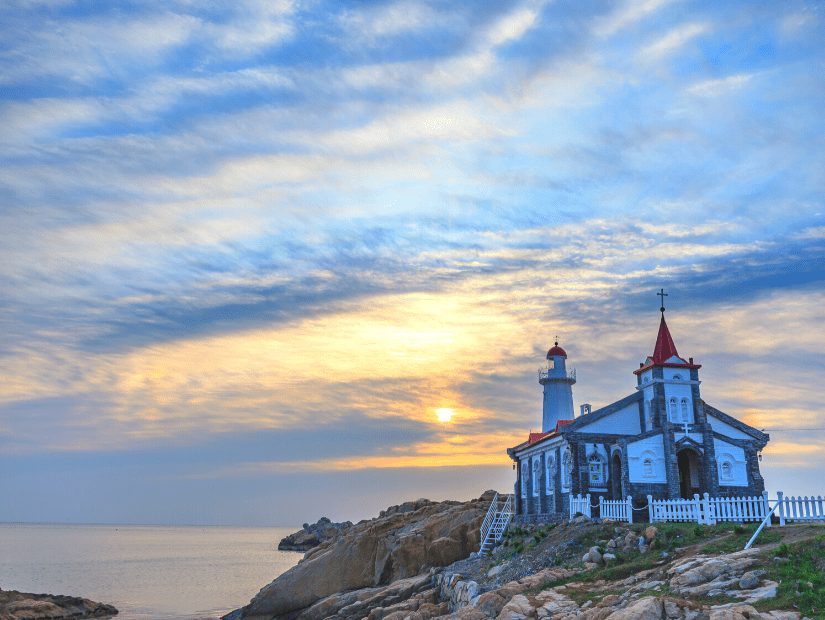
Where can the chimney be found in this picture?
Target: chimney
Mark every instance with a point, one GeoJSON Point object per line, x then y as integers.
{"type": "Point", "coordinates": [691, 360]}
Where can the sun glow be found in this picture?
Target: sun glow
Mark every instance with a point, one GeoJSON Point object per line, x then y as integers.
{"type": "Point", "coordinates": [444, 415]}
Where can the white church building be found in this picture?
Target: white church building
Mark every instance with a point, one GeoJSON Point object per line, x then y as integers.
{"type": "Point", "coordinates": [662, 440]}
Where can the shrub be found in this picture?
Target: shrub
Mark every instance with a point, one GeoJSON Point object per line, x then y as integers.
{"type": "Point", "coordinates": [578, 514]}
{"type": "Point", "coordinates": [698, 531]}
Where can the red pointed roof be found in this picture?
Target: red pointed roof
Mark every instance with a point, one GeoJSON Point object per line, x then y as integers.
{"type": "Point", "coordinates": [665, 350]}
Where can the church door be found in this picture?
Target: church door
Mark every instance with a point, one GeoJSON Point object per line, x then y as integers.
{"type": "Point", "coordinates": [688, 463]}
{"type": "Point", "coordinates": [616, 476]}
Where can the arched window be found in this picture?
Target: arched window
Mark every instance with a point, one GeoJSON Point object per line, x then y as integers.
{"type": "Point", "coordinates": [727, 470]}
{"type": "Point", "coordinates": [596, 469]}
{"type": "Point", "coordinates": [551, 471]}
{"type": "Point", "coordinates": [677, 377]}
{"type": "Point", "coordinates": [647, 411]}
{"type": "Point", "coordinates": [684, 410]}
{"type": "Point", "coordinates": [536, 475]}
{"type": "Point", "coordinates": [673, 417]}
{"type": "Point", "coordinates": [566, 471]}
{"type": "Point", "coordinates": [648, 467]}
{"type": "Point", "coordinates": [525, 471]}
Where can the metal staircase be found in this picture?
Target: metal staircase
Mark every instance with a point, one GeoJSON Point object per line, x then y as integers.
{"type": "Point", "coordinates": [495, 524]}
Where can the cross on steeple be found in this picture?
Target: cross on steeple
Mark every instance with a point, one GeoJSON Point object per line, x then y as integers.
{"type": "Point", "coordinates": [557, 340]}
{"type": "Point", "coordinates": [662, 294]}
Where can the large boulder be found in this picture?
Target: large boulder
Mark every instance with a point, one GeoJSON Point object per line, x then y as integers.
{"type": "Point", "coordinates": [313, 535]}
{"type": "Point", "coordinates": [16, 605]}
{"type": "Point", "coordinates": [399, 545]}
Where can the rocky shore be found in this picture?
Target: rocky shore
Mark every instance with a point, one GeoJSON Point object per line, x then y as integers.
{"type": "Point", "coordinates": [417, 561]}
{"type": "Point", "coordinates": [24, 606]}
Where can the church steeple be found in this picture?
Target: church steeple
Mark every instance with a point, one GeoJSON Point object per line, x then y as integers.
{"type": "Point", "coordinates": [664, 353]}
{"type": "Point", "coordinates": [665, 349]}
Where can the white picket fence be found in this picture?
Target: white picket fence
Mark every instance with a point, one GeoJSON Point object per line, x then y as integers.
{"type": "Point", "coordinates": [675, 509]}
{"type": "Point", "coordinates": [737, 508]}
{"type": "Point", "coordinates": [708, 510]}
{"type": "Point", "coordinates": [580, 504]}
{"type": "Point", "coordinates": [800, 509]}
{"type": "Point", "coordinates": [618, 510]}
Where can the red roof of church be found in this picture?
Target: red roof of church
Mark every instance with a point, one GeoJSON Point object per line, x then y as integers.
{"type": "Point", "coordinates": [535, 437]}
{"type": "Point", "coordinates": [665, 350]}
{"type": "Point", "coordinates": [556, 351]}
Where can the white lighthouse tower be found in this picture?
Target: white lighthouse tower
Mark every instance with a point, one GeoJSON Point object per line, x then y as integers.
{"type": "Point", "coordinates": [558, 383]}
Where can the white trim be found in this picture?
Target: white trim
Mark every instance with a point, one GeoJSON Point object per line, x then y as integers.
{"type": "Point", "coordinates": [671, 381]}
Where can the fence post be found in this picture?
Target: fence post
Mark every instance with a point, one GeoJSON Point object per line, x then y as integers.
{"type": "Point", "coordinates": [767, 508]}
{"type": "Point", "coordinates": [650, 507]}
{"type": "Point", "coordinates": [601, 506]}
{"type": "Point", "coordinates": [697, 506]}
{"type": "Point", "coordinates": [781, 508]}
{"type": "Point", "coordinates": [629, 509]}
{"type": "Point", "coordinates": [709, 520]}
{"type": "Point", "coordinates": [589, 510]}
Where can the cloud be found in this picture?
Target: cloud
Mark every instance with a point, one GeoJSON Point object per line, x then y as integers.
{"type": "Point", "coordinates": [714, 88]}
{"type": "Point", "coordinates": [674, 40]}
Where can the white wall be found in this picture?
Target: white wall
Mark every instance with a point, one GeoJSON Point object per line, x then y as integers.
{"type": "Point", "coordinates": [723, 428]}
{"type": "Point", "coordinates": [623, 422]}
{"type": "Point", "coordinates": [735, 456]}
{"type": "Point", "coordinates": [651, 448]}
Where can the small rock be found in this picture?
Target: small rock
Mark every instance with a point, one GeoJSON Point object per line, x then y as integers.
{"type": "Point", "coordinates": [495, 570]}
{"type": "Point", "coordinates": [611, 544]}
{"type": "Point", "coordinates": [608, 558]}
{"type": "Point", "coordinates": [596, 556]}
{"type": "Point", "coordinates": [651, 532]}
{"type": "Point", "coordinates": [671, 609]}
{"type": "Point", "coordinates": [750, 579]}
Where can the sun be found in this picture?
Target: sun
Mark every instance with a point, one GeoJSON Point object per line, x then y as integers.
{"type": "Point", "coordinates": [444, 415]}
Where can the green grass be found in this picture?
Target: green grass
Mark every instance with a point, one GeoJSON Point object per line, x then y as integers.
{"type": "Point", "coordinates": [740, 535]}
{"type": "Point", "coordinates": [806, 565]}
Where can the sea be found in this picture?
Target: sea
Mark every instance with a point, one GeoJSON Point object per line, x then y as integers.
{"type": "Point", "coordinates": [148, 572]}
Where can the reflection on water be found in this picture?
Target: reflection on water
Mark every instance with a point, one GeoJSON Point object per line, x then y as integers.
{"type": "Point", "coordinates": [146, 572]}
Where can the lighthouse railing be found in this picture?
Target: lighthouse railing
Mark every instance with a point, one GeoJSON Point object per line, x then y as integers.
{"type": "Point", "coordinates": [566, 373]}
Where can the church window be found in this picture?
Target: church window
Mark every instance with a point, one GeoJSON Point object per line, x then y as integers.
{"type": "Point", "coordinates": [684, 410]}
{"type": "Point", "coordinates": [525, 470]}
{"type": "Point", "coordinates": [648, 465]}
{"type": "Point", "coordinates": [677, 377]}
{"type": "Point", "coordinates": [596, 470]}
{"type": "Point", "coordinates": [567, 471]}
{"type": "Point", "coordinates": [673, 417]}
{"type": "Point", "coordinates": [536, 476]}
{"type": "Point", "coordinates": [551, 471]}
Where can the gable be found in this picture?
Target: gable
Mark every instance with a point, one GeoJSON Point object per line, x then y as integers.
{"type": "Point", "coordinates": [723, 428]}
{"type": "Point", "coordinates": [625, 421]}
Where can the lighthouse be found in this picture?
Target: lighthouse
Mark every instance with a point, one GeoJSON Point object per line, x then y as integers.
{"type": "Point", "coordinates": [558, 383]}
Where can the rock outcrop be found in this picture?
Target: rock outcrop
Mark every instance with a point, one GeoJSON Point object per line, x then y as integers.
{"type": "Point", "coordinates": [406, 541]}
{"type": "Point", "coordinates": [22, 606]}
{"type": "Point", "coordinates": [313, 535]}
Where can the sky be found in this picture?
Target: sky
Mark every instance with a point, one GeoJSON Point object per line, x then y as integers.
{"type": "Point", "coordinates": [249, 249]}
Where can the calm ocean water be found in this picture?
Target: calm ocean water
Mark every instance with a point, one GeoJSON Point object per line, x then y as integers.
{"type": "Point", "coordinates": [147, 572]}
